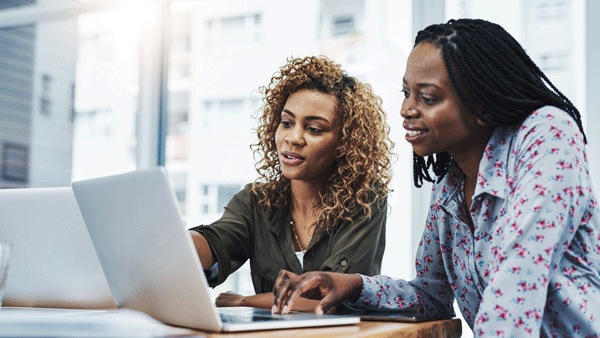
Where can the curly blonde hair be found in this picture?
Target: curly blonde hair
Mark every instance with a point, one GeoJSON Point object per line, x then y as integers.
{"type": "Point", "coordinates": [361, 179]}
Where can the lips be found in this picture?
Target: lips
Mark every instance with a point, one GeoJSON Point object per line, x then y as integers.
{"type": "Point", "coordinates": [291, 158]}
{"type": "Point", "coordinates": [413, 133]}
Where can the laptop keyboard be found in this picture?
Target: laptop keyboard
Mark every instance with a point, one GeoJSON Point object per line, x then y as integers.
{"type": "Point", "coordinates": [248, 316]}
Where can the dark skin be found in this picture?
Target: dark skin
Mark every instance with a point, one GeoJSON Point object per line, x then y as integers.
{"type": "Point", "coordinates": [332, 288]}
{"type": "Point", "coordinates": [436, 120]}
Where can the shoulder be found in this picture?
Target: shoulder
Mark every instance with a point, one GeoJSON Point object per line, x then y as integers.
{"type": "Point", "coordinates": [245, 197]}
{"type": "Point", "coordinates": [245, 192]}
{"type": "Point", "coordinates": [545, 129]}
{"type": "Point", "coordinates": [379, 209]}
{"type": "Point", "coordinates": [550, 122]}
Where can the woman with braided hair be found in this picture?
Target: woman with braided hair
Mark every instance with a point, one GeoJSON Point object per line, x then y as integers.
{"type": "Point", "coordinates": [320, 202]}
{"type": "Point", "coordinates": [513, 230]}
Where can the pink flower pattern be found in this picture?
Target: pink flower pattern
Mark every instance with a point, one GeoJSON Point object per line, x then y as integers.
{"type": "Point", "coordinates": [532, 265]}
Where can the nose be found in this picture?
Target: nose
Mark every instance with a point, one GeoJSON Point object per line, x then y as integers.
{"type": "Point", "coordinates": [408, 110]}
{"type": "Point", "coordinates": [296, 136]}
{"type": "Point", "coordinates": [408, 113]}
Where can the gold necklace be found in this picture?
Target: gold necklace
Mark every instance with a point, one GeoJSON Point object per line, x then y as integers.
{"type": "Point", "coordinates": [296, 236]}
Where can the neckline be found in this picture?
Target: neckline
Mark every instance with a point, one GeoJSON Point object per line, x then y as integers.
{"type": "Point", "coordinates": [296, 238]}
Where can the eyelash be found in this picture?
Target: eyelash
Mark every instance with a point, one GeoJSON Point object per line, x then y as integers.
{"type": "Point", "coordinates": [289, 124]}
{"type": "Point", "coordinates": [428, 101]}
{"type": "Point", "coordinates": [314, 130]}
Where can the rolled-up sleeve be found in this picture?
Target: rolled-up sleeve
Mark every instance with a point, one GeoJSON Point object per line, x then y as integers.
{"type": "Point", "coordinates": [230, 236]}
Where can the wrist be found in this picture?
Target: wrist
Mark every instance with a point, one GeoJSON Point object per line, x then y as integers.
{"type": "Point", "coordinates": [357, 286]}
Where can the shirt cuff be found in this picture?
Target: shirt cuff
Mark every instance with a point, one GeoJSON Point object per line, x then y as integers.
{"type": "Point", "coordinates": [212, 274]}
{"type": "Point", "coordinates": [362, 300]}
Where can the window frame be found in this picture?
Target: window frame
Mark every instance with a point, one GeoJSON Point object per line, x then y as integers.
{"type": "Point", "coordinates": [152, 105]}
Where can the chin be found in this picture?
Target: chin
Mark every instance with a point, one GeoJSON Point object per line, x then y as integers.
{"type": "Point", "coordinates": [423, 153]}
{"type": "Point", "coordinates": [289, 175]}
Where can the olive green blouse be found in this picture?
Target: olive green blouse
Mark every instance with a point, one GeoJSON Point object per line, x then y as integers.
{"type": "Point", "coordinates": [244, 232]}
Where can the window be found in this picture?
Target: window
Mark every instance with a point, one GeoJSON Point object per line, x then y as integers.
{"type": "Point", "coordinates": [214, 198]}
{"type": "Point", "coordinates": [228, 33]}
{"type": "Point", "coordinates": [232, 29]}
{"type": "Point", "coordinates": [15, 164]}
{"type": "Point", "coordinates": [15, 3]}
{"type": "Point", "coordinates": [45, 101]}
{"type": "Point", "coordinates": [207, 198]}
{"type": "Point", "coordinates": [225, 193]}
{"type": "Point", "coordinates": [343, 25]}
{"type": "Point", "coordinates": [552, 9]}
{"type": "Point", "coordinates": [551, 62]}
{"type": "Point", "coordinates": [222, 115]}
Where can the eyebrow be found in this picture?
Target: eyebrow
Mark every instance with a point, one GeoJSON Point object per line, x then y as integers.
{"type": "Point", "coordinates": [310, 117]}
{"type": "Point", "coordinates": [422, 85]}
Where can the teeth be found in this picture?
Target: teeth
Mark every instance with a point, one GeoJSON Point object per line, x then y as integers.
{"type": "Point", "coordinates": [413, 132]}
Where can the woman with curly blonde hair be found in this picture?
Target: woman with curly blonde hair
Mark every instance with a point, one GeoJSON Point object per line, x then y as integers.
{"type": "Point", "coordinates": [320, 202]}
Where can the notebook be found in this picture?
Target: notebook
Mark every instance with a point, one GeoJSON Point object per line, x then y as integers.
{"type": "Point", "coordinates": [150, 261]}
{"type": "Point", "coordinates": [54, 263]}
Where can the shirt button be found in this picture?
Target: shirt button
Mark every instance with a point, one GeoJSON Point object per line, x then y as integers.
{"type": "Point", "coordinates": [343, 263]}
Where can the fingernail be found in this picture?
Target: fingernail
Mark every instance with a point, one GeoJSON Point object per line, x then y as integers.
{"type": "Point", "coordinates": [285, 309]}
{"type": "Point", "coordinates": [319, 310]}
{"type": "Point", "coordinates": [274, 309]}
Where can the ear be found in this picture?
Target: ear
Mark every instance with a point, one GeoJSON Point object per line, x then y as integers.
{"type": "Point", "coordinates": [481, 112]}
{"type": "Point", "coordinates": [481, 122]}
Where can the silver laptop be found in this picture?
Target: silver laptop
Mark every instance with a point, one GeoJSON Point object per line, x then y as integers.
{"type": "Point", "coordinates": [54, 263]}
{"type": "Point", "coordinates": [150, 261]}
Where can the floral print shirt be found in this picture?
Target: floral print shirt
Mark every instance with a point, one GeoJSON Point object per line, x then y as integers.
{"type": "Point", "coordinates": [532, 265]}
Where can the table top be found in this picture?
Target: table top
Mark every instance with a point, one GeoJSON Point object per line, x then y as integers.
{"type": "Point", "coordinates": [447, 328]}
{"type": "Point", "coordinates": [23, 321]}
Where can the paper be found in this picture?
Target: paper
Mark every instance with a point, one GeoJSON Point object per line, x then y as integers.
{"type": "Point", "coordinates": [23, 322]}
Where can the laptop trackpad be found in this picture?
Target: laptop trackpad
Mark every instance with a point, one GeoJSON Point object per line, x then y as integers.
{"type": "Point", "coordinates": [247, 315]}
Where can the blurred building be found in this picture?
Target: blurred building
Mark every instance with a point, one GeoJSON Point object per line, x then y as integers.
{"type": "Point", "coordinates": [36, 102]}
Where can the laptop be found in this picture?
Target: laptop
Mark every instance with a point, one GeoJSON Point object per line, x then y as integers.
{"type": "Point", "coordinates": [150, 261]}
{"type": "Point", "coordinates": [390, 316]}
{"type": "Point", "coordinates": [54, 263]}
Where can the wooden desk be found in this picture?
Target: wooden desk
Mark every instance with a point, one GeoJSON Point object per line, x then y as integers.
{"type": "Point", "coordinates": [450, 328]}
{"type": "Point", "coordinates": [29, 322]}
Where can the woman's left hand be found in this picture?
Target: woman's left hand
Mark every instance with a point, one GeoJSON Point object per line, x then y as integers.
{"type": "Point", "coordinates": [229, 298]}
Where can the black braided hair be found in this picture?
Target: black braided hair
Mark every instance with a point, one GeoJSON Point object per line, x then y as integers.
{"type": "Point", "coordinates": [493, 76]}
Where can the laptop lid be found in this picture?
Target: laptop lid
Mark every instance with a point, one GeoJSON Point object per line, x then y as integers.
{"type": "Point", "coordinates": [149, 259]}
{"type": "Point", "coordinates": [54, 263]}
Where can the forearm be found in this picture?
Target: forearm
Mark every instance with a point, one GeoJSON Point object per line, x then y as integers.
{"type": "Point", "coordinates": [203, 249]}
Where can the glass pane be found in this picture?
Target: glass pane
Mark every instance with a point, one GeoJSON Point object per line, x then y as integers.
{"type": "Point", "coordinates": [37, 75]}
{"type": "Point", "coordinates": [5, 4]}
{"type": "Point", "coordinates": [16, 76]}
{"type": "Point", "coordinates": [68, 98]}
{"type": "Point", "coordinates": [106, 94]}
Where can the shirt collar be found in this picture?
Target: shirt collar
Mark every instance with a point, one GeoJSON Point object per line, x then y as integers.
{"type": "Point", "coordinates": [492, 176]}
{"type": "Point", "coordinates": [280, 216]}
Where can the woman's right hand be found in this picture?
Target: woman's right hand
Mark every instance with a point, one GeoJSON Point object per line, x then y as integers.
{"type": "Point", "coordinates": [229, 299]}
{"type": "Point", "coordinates": [332, 288]}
